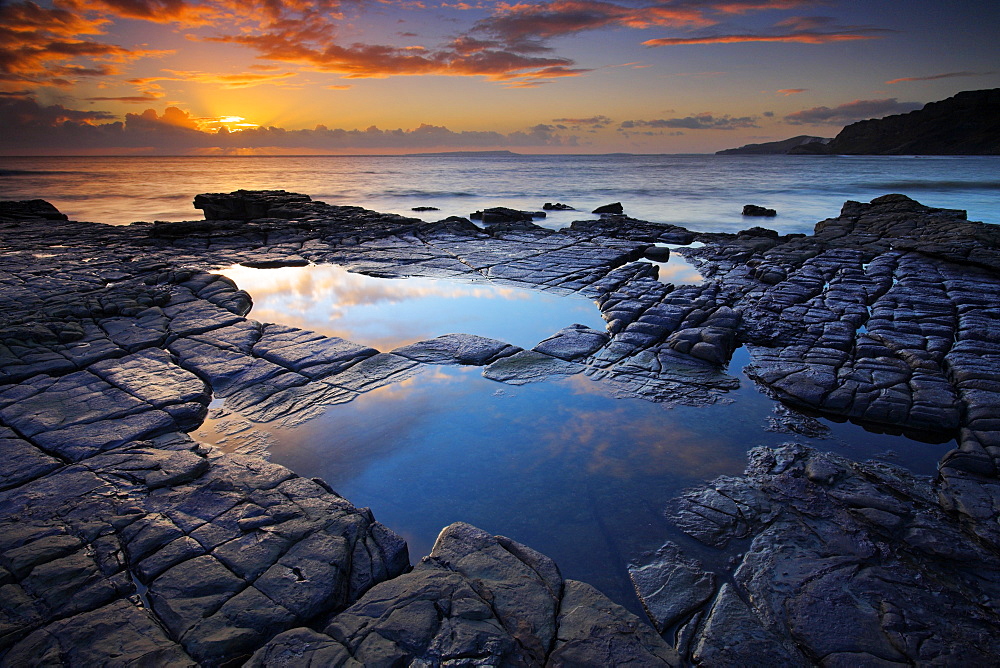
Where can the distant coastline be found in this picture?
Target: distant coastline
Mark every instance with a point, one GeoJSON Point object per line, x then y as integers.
{"type": "Point", "coordinates": [465, 154]}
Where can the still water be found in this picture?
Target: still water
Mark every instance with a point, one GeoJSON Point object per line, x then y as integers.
{"type": "Point", "coordinates": [388, 313]}
{"type": "Point", "coordinates": [566, 466]}
{"type": "Point", "coordinates": [702, 192]}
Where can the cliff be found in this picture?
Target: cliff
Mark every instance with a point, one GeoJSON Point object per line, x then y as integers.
{"type": "Point", "coordinates": [965, 124]}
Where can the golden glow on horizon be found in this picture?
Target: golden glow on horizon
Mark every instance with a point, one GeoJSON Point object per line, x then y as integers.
{"type": "Point", "coordinates": [230, 123]}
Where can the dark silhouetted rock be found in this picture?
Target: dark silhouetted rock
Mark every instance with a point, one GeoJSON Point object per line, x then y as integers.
{"type": "Point", "coordinates": [657, 253]}
{"type": "Point", "coordinates": [965, 124]}
{"type": "Point", "coordinates": [276, 263]}
{"type": "Point", "coordinates": [499, 214]}
{"type": "Point", "coordinates": [30, 210]}
{"type": "Point", "coordinates": [246, 204]}
{"type": "Point", "coordinates": [754, 210]}
{"type": "Point", "coordinates": [558, 206]}
{"type": "Point", "coordinates": [425, 208]}
{"type": "Point", "coordinates": [615, 208]}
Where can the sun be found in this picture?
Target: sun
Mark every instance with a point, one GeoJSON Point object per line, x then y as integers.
{"type": "Point", "coordinates": [230, 123]}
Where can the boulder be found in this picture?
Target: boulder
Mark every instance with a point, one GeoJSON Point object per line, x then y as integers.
{"type": "Point", "coordinates": [500, 214]}
{"type": "Point", "coordinates": [615, 208]}
{"type": "Point", "coordinates": [754, 210]}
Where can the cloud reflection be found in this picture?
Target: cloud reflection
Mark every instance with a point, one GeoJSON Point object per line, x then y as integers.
{"type": "Point", "coordinates": [387, 313]}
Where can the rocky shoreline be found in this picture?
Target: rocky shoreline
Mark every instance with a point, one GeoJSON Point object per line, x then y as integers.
{"type": "Point", "coordinates": [124, 540]}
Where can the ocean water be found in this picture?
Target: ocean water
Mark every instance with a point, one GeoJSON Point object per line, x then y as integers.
{"type": "Point", "coordinates": [702, 192]}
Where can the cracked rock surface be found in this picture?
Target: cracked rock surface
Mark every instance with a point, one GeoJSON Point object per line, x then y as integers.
{"type": "Point", "coordinates": [124, 537]}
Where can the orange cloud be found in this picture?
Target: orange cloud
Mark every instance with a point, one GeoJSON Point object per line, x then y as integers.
{"type": "Point", "coordinates": [791, 91]}
{"type": "Point", "coordinates": [748, 6]}
{"type": "Point", "coordinates": [375, 61]}
{"type": "Point", "coordinates": [51, 47]}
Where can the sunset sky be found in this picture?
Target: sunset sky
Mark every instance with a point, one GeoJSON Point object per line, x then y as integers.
{"type": "Point", "coordinates": [398, 76]}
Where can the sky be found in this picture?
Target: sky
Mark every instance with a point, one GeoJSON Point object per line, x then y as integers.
{"type": "Point", "coordinates": [234, 77]}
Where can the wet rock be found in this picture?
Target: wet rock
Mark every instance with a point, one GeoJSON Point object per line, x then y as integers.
{"type": "Point", "coordinates": [274, 263]}
{"type": "Point", "coordinates": [498, 214]}
{"type": "Point", "coordinates": [657, 253]}
{"type": "Point", "coordinates": [425, 208]}
{"type": "Point", "coordinates": [671, 586]}
{"type": "Point", "coordinates": [854, 562]}
{"type": "Point", "coordinates": [244, 204]}
{"type": "Point", "coordinates": [593, 631]}
{"type": "Point", "coordinates": [573, 342]}
{"type": "Point", "coordinates": [529, 366]}
{"type": "Point", "coordinates": [34, 209]}
{"type": "Point", "coordinates": [885, 315]}
{"type": "Point", "coordinates": [558, 206]}
{"type": "Point", "coordinates": [477, 598]}
{"type": "Point", "coordinates": [755, 210]}
{"type": "Point", "coordinates": [457, 349]}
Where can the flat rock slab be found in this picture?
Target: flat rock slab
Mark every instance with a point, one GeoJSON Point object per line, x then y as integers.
{"type": "Point", "coordinates": [112, 348]}
{"type": "Point", "coordinates": [466, 349]}
{"type": "Point", "coordinates": [573, 343]}
{"type": "Point", "coordinates": [529, 366]}
{"type": "Point", "coordinates": [671, 586]}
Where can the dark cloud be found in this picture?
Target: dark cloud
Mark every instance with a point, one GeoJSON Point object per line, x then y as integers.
{"type": "Point", "coordinates": [850, 112]}
{"type": "Point", "coordinates": [698, 122]}
{"type": "Point", "coordinates": [947, 75]}
{"type": "Point", "coordinates": [523, 22]}
{"type": "Point", "coordinates": [797, 36]}
{"type": "Point", "coordinates": [593, 122]}
{"type": "Point", "coordinates": [30, 126]}
{"type": "Point", "coordinates": [128, 99]}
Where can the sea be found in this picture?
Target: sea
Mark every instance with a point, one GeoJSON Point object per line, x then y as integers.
{"type": "Point", "coordinates": [701, 192]}
{"type": "Point", "coordinates": [567, 466]}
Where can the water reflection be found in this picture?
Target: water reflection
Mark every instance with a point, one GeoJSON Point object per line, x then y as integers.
{"type": "Point", "coordinates": [388, 313]}
{"type": "Point", "coordinates": [563, 466]}
{"type": "Point", "coordinates": [676, 270]}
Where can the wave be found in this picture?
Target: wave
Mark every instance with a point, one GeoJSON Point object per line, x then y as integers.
{"type": "Point", "coordinates": [422, 193]}
{"type": "Point", "coordinates": [32, 172]}
{"type": "Point", "coordinates": [934, 185]}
